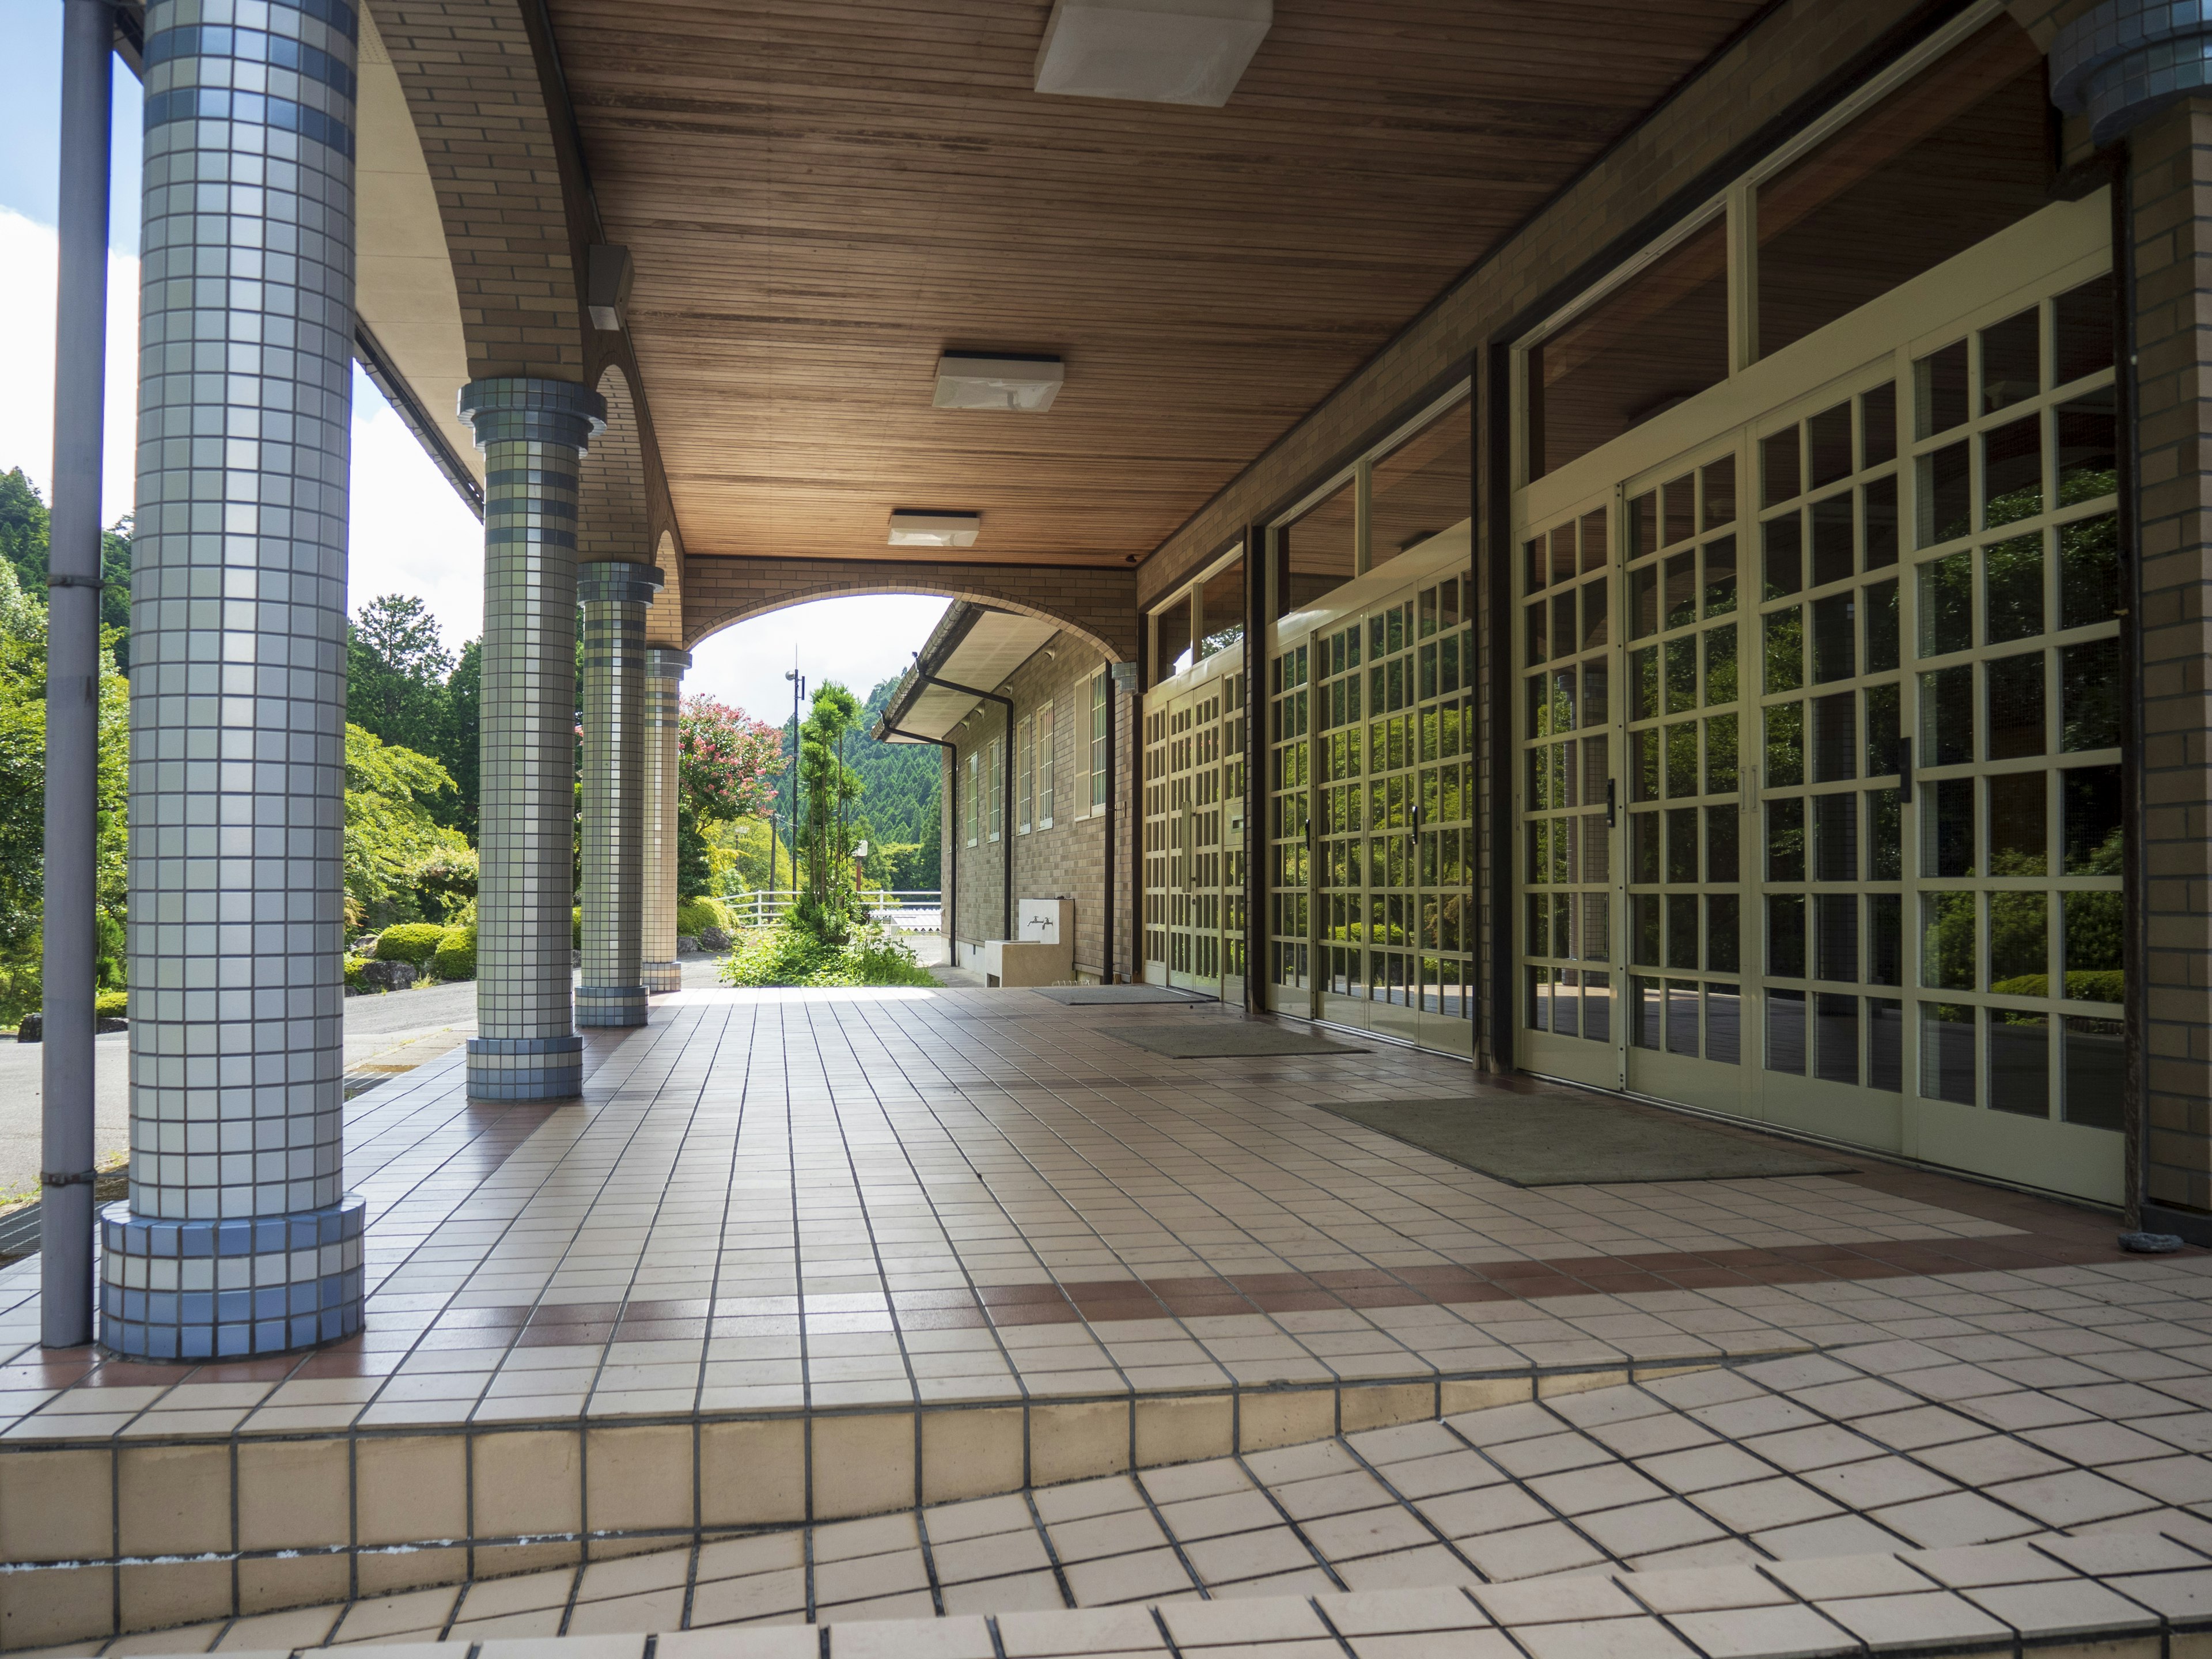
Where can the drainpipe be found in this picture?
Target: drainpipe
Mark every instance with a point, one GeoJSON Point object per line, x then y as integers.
{"type": "Point", "coordinates": [948, 901]}
{"type": "Point", "coordinates": [1006, 822]}
{"type": "Point", "coordinates": [1112, 711]}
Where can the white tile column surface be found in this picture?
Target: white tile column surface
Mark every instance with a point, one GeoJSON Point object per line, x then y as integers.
{"type": "Point", "coordinates": [532, 433]}
{"type": "Point", "coordinates": [664, 695]}
{"type": "Point", "coordinates": [614, 595]}
{"type": "Point", "coordinates": [237, 1238]}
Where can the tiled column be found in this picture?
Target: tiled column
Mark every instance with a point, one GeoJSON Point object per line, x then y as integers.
{"type": "Point", "coordinates": [532, 433]}
{"type": "Point", "coordinates": [664, 693]}
{"type": "Point", "coordinates": [238, 1237]}
{"type": "Point", "coordinates": [614, 595]}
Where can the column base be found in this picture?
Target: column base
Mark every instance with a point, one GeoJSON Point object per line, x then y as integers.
{"type": "Point", "coordinates": [661, 976]}
{"type": "Point", "coordinates": [526, 1068]}
{"type": "Point", "coordinates": [601, 1006]}
{"type": "Point", "coordinates": [213, 1290]}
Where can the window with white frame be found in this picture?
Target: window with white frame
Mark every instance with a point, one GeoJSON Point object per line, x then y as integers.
{"type": "Point", "coordinates": [1025, 782]}
{"type": "Point", "coordinates": [969, 807]}
{"type": "Point", "coordinates": [1101, 706]}
{"type": "Point", "coordinates": [996, 783]}
{"type": "Point", "coordinates": [1046, 720]}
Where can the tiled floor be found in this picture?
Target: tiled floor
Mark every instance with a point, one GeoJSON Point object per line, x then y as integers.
{"type": "Point", "coordinates": [2032, 1463]}
{"type": "Point", "coordinates": [780, 1200]}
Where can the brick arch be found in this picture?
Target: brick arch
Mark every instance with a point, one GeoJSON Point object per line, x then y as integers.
{"type": "Point", "coordinates": [613, 517]}
{"type": "Point", "coordinates": [1098, 605]}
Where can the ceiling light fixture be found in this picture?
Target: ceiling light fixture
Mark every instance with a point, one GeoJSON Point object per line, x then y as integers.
{"type": "Point", "coordinates": [1155, 51]}
{"type": "Point", "coordinates": [1007, 381]}
{"type": "Point", "coordinates": [915, 526]}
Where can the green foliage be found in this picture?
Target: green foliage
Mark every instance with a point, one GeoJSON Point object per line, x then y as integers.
{"type": "Point", "coordinates": [727, 761]}
{"type": "Point", "coordinates": [792, 954]}
{"type": "Point", "coordinates": [695, 867]}
{"type": "Point", "coordinates": [392, 836]}
{"type": "Point", "coordinates": [24, 542]}
{"type": "Point", "coordinates": [415, 942]}
{"type": "Point", "coordinates": [895, 865]}
{"type": "Point", "coordinates": [354, 965]}
{"type": "Point", "coordinates": [828, 788]}
{"type": "Point", "coordinates": [405, 688]}
{"type": "Point", "coordinates": [901, 783]}
{"type": "Point", "coordinates": [694, 915]}
{"type": "Point", "coordinates": [457, 953]}
{"type": "Point", "coordinates": [2086, 986]}
{"type": "Point", "coordinates": [111, 1005]}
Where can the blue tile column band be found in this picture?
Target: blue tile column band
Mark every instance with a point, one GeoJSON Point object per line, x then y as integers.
{"type": "Point", "coordinates": [2125, 60]}
{"type": "Point", "coordinates": [238, 1237]}
{"type": "Point", "coordinates": [614, 595]}
{"type": "Point", "coordinates": [532, 433]}
{"type": "Point", "coordinates": [664, 697]}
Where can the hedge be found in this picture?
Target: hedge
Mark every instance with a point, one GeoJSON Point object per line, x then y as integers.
{"type": "Point", "coordinates": [694, 915]}
{"type": "Point", "coordinates": [415, 942]}
{"type": "Point", "coordinates": [456, 954]}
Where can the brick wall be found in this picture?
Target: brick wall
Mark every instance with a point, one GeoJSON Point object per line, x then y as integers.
{"type": "Point", "coordinates": [2170, 191]}
{"type": "Point", "coordinates": [1068, 860]}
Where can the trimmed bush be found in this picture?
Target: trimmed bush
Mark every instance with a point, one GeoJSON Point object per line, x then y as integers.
{"type": "Point", "coordinates": [2083, 985]}
{"type": "Point", "coordinates": [456, 954]}
{"type": "Point", "coordinates": [111, 1005]}
{"type": "Point", "coordinates": [354, 965]}
{"type": "Point", "coordinates": [411, 942]}
{"type": "Point", "coordinates": [694, 916]}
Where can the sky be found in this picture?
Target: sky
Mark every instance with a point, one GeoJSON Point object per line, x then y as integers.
{"type": "Point", "coordinates": [411, 533]}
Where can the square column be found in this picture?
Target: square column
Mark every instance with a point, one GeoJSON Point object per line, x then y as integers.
{"type": "Point", "coordinates": [532, 433]}
{"type": "Point", "coordinates": [614, 596]}
{"type": "Point", "coordinates": [238, 1237]}
{"type": "Point", "coordinates": [664, 697]}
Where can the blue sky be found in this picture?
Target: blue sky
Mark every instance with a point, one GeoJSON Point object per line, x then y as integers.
{"type": "Point", "coordinates": [410, 533]}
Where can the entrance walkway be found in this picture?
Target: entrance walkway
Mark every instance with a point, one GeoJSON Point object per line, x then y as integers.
{"type": "Point", "coordinates": [800, 1257]}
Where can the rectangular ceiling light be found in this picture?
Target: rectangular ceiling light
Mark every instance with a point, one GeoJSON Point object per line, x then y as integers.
{"type": "Point", "coordinates": [918, 527]}
{"type": "Point", "coordinates": [1157, 52]}
{"type": "Point", "coordinates": [976, 380]}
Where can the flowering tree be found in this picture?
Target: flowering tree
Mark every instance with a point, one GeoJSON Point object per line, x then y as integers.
{"type": "Point", "coordinates": [729, 761]}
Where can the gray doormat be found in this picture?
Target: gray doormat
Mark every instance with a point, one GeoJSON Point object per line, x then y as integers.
{"type": "Point", "coordinates": [1217, 1039]}
{"type": "Point", "coordinates": [1560, 1140]}
{"type": "Point", "coordinates": [1092, 996]}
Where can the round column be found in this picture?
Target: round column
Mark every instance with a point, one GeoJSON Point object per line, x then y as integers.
{"type": "Point", "coordinates": [532, 433]}
{"type": "Point", "coordinates": [238, 1237]}
{"type": "Point", "coordinates": [614, 596]}
{"type": "Point", "coordinates": [664, 696]}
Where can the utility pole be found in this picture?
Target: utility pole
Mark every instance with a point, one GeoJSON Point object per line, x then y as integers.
{"type": "Point", "coordinates": [73, 581]}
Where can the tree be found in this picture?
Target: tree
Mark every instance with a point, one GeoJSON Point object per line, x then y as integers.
{"type": "Point", "coordinates": [397, 666]}
{"type": "Point", "coordinates": [25, 531]}
{"type": "Point", "coordinates": [456, 747]}
{"type": "Point", "coordinates": [727, 762]}
{"type": "Point", "coordinates": [827, 787]}
{"type": "Point", "coordinates": [394, 845]}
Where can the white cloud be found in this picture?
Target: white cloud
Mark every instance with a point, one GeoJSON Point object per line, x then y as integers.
{"type": "Point", "coordinates": [411, 534]}
{"type": "Point", "coordinates": [857, 641]}
{"type": "Point", "coordinates": [29, 252]}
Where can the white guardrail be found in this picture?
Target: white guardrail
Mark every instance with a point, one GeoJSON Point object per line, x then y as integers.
{"type": "Point", "coordinates": [909, 909]}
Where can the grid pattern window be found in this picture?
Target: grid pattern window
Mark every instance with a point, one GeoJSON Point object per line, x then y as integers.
{"type": "Point", "coordinates": [1101, 705]}
{"type": "Point", "coordinates": [1568, 795]}
{"type": "Point", "coordinates": [1195, 832]}
{"type": "Point", "coordinates": [970, 809]}
{"type": "Point", "coordinates": [1393, 748]}
{"type": "Point", "coordinates": [1158, 850]}
{"type": "Point", "coordinates": [1233, 845]}
{"type": "Point", "coordinates": [2014, 600]}
{"type": "Point", "coordinates": [996, 783]}
{"type": "Point", "coordinates": [1290, 847]}
{"type": "Point", "coordinates": [1047, 756]}
{"type": "Point", "coordinates": [1025, 779]}
{"type": "Point", "coordinates": [1827, 699]}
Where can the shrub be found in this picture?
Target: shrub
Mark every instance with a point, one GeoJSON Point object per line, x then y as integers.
{"type": "Point", "coordinates": [2083, 985]}
{"type": "Point", "coordinates": [111, 1005]}
{"type": "Point", "coordinates": [792, 955]}
{"type": "Point", "coordinates": [456, 954]}
{"type": "Point", "coordinates": [411, 942]}
{"type": "Point", "coordinates": [353, 967]}
{"type": "Point", "coordinates": [576, 928]}
{"type": "Point", "coordinates": [696, 915]}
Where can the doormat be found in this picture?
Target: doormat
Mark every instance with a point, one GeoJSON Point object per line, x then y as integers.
{"type": "Point", "coordinates": [1093, 996]}
{"type": "Point", "coordinates": [1563, 1141]}
{"type": "Point", "coordinates": [1220, 1039]}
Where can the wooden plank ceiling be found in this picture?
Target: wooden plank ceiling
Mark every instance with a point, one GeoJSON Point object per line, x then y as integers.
{"type": "Point", "coordinates": [819, 196]}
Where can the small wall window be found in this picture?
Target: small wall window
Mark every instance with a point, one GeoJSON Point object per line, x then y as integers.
{"type": "Point", "coordinates": [1424, 487]}
{"type": "Point", "coordinates": [968, 809]}
{"type": "Point", "coordinates": [1101, 712]}
{"type": "Point", "coordinates": [996, 784]}
{"type": "Point", "coordinates": [1046, 720]}
{"type": "Point", "coordinates": [1025, 779]}
{"type": "Point", "coordinates": [1952, 157]}
{"type": "Point", "coordinates": [1656, 341]}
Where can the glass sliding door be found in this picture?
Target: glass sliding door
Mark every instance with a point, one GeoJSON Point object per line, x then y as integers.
{"type": "Point", "coordinates": [1194, 828]}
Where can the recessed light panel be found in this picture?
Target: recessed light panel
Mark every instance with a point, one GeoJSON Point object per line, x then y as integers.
{"type": "Point", "coordinates": [921, 527]}
{"type": "Point", "coordinates": [975, 380]}
{"type": "Point", "coordinates": [1155, 51]}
